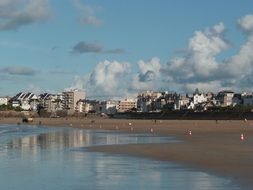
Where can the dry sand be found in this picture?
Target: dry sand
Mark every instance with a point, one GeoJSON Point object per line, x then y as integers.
{"type": "Point", "coordinates": [213, 146]}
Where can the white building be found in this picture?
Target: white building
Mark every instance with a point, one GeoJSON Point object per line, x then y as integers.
{"type": "Point", "coordinates": [199, 98]}
{"type": "Point", "coordinates": [110, 107]}
{"type": "Point", "coordinates": [3, 101]}
{"type": "Point", "coordinates": [25, 105]}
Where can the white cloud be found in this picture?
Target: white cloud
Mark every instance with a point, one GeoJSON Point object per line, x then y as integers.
{"type": "Point", "coordinates": [17, 13]}
{"type": "Point", "coordinates": [106, 72]}
{"type": "Point", "coordinates": [79, 83]}
{"type": "Point", "coordinates": [109, 78]}
{"type": "Point", "coordinates": [246, 23]}
{"type": "Point", "coordinates": [240, 66]}
{"type": "Point", "coordinates": [148, 74]}
{"type": "Point", "coordinates": [200, 60]}
{"type": "Point", "coordinates": [87, 12]}
{"type": "Point", "coordinates": [199, 67]}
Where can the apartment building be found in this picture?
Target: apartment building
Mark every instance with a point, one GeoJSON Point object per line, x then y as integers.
{"type": "Point", "coordinates": [127, 105]}
{"type": "Point", "coordinates": [226, 98]}
{"type": "Point", "coordinates": [70, 99]}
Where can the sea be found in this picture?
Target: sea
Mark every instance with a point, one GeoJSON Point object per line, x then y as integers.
{"type": "Point", "coordinates": [52, 158]}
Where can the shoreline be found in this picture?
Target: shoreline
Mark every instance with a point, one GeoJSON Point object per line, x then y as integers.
{"type": "Point", "coordinates": [212, 147]}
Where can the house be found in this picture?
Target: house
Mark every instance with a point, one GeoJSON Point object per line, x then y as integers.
{"type": "Point", "coordinates": [4, 101]}
{"type": "Point", "coordinates": [27, 101]}
{"type": "Point", "coordinates": [199, 98]}
{"type": "Point", "coordinates": [206, 105]}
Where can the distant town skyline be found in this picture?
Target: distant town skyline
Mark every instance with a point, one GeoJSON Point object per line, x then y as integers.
{"type": "Point", "coordinates": [118, 48]}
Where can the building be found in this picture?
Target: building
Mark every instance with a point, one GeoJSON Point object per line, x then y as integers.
{"type": "Point", "coordinates": [181, 102]}
{"type": "Point", "coordinates": [3, 100]}
{"type": "Point", "coordinates": [225, 98]}
{"type": "Point", "coordinates": [70, 99]}
{"type": "Point", "coordinates": [110, 107]}
{"type": "Point", "coordinates": [237, 100]}
{"type": "Point", "coordinates": [27, 101]}
{"type": "Point", "coordinates": [127, 105]}
{"type": "Point", "coordinates": [247, 99]}
{"type": "Point", "coordinates": [146, 101]}
{"type": "Point", "coordinates": [199, 98]}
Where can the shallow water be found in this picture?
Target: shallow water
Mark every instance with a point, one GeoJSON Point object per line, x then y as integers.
{"type": "Point", "coordinates": [54, 158]}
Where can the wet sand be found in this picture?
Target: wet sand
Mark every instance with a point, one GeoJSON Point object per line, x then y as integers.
{"type": "Point", "coordinates": [213, 146]}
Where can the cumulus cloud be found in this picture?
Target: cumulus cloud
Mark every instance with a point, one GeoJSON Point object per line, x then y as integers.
{"type": "Point", "coordinates": [148, 74]}
{"type": "Point", "coordinates": [87, 12]}
{"type": "Point", "coordinates": [109, 78]}
{"type": "Point", "coordinates": [79, 83]}
{"type": "Point", "coordinates": [85, 47]}
{"type": "Point", "coordinates": [200, 62]}
{"type": "Point", "coordinates": [246, 23]}
{"type": "Point", "coordinates": [198, 67]}
{"type": "Point", "coordinates": [26, 71]}
{"type": "Point", "coordinates": [17, 13]}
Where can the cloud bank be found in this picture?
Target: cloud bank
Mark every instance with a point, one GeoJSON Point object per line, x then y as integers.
{"type": "Point", "coordinates": [199, 67]}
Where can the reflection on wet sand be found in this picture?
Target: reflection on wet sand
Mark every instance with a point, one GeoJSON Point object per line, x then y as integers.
{"type": "Point", "coordinates": [50, 158]}
{"type": "Point", "coordinates": [69, 138]}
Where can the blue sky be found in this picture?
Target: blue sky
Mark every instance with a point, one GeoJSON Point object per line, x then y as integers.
{"type": "Point", "coordinates": [118, 48]}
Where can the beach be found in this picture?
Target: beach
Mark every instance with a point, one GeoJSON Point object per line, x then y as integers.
{"type": "Point", "coordinates": [213, 146]}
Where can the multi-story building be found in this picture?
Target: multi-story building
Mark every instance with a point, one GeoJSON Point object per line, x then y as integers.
{"type": "Point", "coordinates": [145, 100]}
{"type": "Point", "coordinates": [110, 106]}
{"type": "Point", "coordinates": [89, 106]}
{"type": "Point", "coordinates": [182, 102]}
{"type": "Point", "coordinates": [71, 98]}
{"type": "Point", "coordinates": [225, 98]}
{"type": "Point", "coordinates": [127, 105]}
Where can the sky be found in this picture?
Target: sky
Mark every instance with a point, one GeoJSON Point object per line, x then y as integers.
{"type": "Point", "coordinates": [118, 48]}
